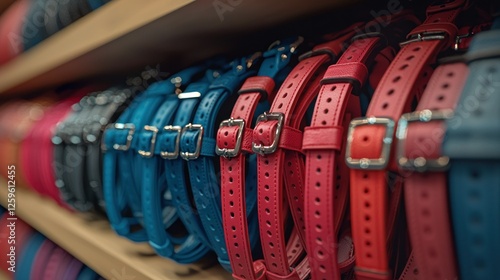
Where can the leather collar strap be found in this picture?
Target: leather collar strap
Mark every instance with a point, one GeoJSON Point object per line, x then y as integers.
{"type": "Point", "coordinates": [95, 4]}
{"type": "Point", "coordinates": [69, 156]}
{"type": "Point", "coordinates": [37, 151]}
{"type": "Point", "coordinates": [155, 195]}
{"type": "Point", "coordinates": [45, 159]}
{"type": "Point", "coordinates": [175, 167]}
{"type": "Point", "coordinates": [234, 142]}
{"type": "Point", "coordinates": [471, 143]}
{"type": "Point", "coordinates": [27, 256]}
{"type": "Point", "coordinates": [77, 152]}
{"type": "Point", "coordinates": [197, 146]}
{"type": "Point", "coordinates": [32, 31]}
{"type": "Point", "coordinates": [110, 104]}
{"type": "Point", "coordinates": [326, 181]}
{"type": "Point", "coordinates": [369, 139]}
{"type": "Point", "coordinates": [57, 15]}
{"type": "Point", "coordinates": [57, 264]}
{"type": "Point", "coordinates": [420, 135]}
{"type": "Point", "coordinates": [119, 180]}
{"type": "Point", "coordinates": [277, 138]}
{"type": "Point", "coordinates": [71, 271]}
{"type": "Point", "coordinates": [158, 99]}
{"type": "Point", "coordinates": [75, 145]}
{"type": "Point", "coordinates": [42, 258]}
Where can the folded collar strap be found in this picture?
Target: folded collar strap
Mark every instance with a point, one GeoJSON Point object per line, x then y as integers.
{"type": "Point", "coordinates": [471, 143]}
{"type": "Point", "coordinates": [154, 192]}
{"type": "Point", "coordinates": [105, 113]}
{"type": "Point", "coordinates": [57, 264]}
{"type": "Point", "coordinates": [201, 167]}
{"type": "Point", "coordinates": [234, 140]}
{"type": "Point", "coordinates": [72, 270]}
{"type": "Point", "coordinates": [42, 258]}
{"type": "Point", "coordinates": [420, 136]}
{"type": "Point", "coordinates": [77, 155]}
{"type": "Point", "coordinates": [28, 255]}
{"type": "Point", "coordinates": [69, 157]}
{"type": "Point", "coordinates": [119, 144]}
{"type": "Point", "coordinates": [175, 166]}
{"type": "Point", "coordinates": [326, 181]}
{"type": "Point", "coordinates": [37, 153]}
{"type": "Point", "coordinates": [287, 111]}
{"type": "Point", "coordinates": [369, 139]}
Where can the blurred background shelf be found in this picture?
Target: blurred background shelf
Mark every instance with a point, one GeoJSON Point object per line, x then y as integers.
{"type": "Point", "coordinates": [128, 34]}
{"type": "Point", "coordinates": [93, 242]}
{"type": "Point", "coordinates": [4, 4]}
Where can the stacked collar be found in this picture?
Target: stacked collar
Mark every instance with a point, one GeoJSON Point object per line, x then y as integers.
{"type": "Point", "coordinates": [368, 151]}
{"type": "Point", "coordinates": [234, 145]}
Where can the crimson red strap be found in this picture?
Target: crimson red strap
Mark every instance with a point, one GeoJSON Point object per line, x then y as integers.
{"type": "Point", "coordinates": [281, 168]}
{"type": "Point", "coordinates": [369, 139]}
{"type": "Point", "coordinates": [325, 187]}
{"type": "Point", "coordinates": [234, 212]}
{"type": "Point", "coordinates": [37, 148]}
{"type": "Point", "coordinates": [426, 193]}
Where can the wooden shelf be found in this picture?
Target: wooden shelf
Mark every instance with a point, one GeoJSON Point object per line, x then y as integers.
{"type": "Point", "coordinates": [4, 276]}
{"type": "Point", "coordinates": [129, 34]}
{"type": "Point", "coordinates": [94, 243]}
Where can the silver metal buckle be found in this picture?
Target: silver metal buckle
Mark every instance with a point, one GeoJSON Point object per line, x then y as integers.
{"type": "Point", "coordinates": [420, 164]}
{"type": "Point", "coordinates": [266, 116]}
{"type": "Point", "coordinates": [130, 136]}
{"type": "Point", "coordinates": [366, 163]}
{"type": "Point", "coordinates": [225, 152]}
{"type": "Point", "coordinates": [187, 155]}
{"type": "Point", "coordinates": [175, 153]}
{"type": "Point", "coordinates": [154, 130]}
{"type": "Point", "coordinates": [424, 36]}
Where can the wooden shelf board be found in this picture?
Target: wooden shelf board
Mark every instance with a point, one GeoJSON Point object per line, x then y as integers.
{"type": "Point", "coordinates": [94, 243]}
{"type": "Point", "coordinates": [129, 34]}
{"type": "Point", "coordinates": [3, 275]}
